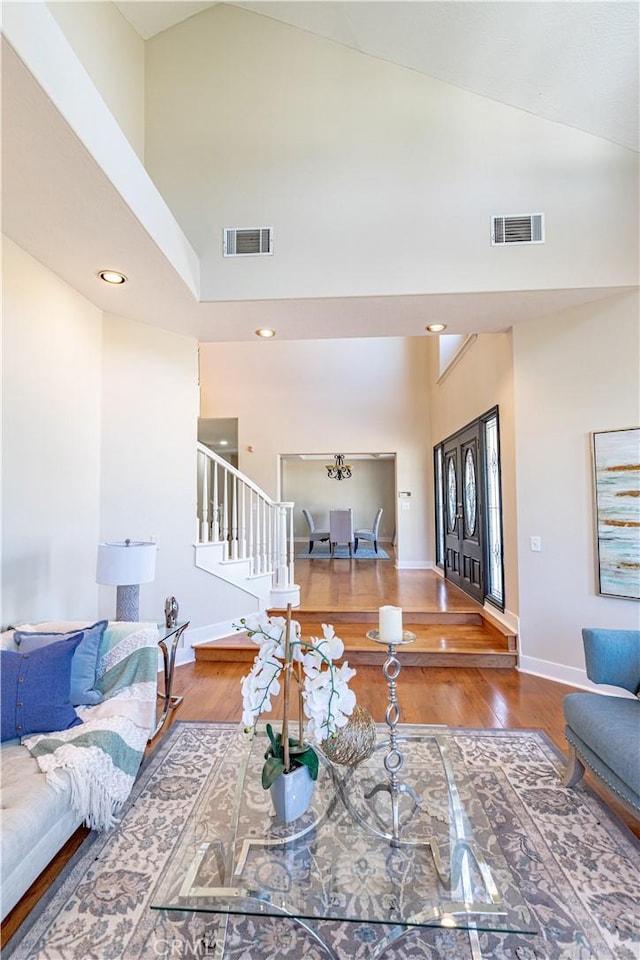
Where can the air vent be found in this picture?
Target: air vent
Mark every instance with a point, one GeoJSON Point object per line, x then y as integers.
{"type": "Point", "coordinates": [247, 241]}
{"type": "Point", "coordinates": [526, 229]}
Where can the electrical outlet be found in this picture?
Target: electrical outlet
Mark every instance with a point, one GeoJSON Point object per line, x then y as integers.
{"type": "Point", "coordinates": [405, 505]}
{"type": "Point", "coordinates": [536, 544]}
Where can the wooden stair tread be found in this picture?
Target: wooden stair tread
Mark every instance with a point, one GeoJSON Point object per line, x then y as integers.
{"type": "Point", "coordinates": [412, 619]}
{"type": "Point", "coordinates": [370, 617]}
{"type": "Point", "coordinates": [439, 644]}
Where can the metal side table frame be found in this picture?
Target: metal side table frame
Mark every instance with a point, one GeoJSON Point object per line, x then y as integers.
{"type": "Point", "coordinates": [173, 635]}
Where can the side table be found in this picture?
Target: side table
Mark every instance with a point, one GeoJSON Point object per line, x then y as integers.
{"type": "Point", "coordinates": [168, 635]}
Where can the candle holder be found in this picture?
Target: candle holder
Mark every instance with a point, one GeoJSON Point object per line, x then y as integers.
{"type": "Point", "coordinates": [394, 760]}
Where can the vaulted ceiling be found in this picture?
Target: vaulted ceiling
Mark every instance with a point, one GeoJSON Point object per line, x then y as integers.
{"type": "Point", "coordinates": [576, 63]}
{"type": "Point", "coordinates": [573, 63]}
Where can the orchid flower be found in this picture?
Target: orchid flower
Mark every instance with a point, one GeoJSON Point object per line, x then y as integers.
{"type": "Point", "coordinates": [327, 700]}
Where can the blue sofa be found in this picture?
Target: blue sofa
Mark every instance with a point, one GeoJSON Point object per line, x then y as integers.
{"type": "Point", "coordinates": [603, 732]}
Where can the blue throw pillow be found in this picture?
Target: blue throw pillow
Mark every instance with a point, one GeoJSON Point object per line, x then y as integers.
{"type": "Point", "coordinates": [85, 660]}
{"type": "Point", "coordinates": [35, 690]}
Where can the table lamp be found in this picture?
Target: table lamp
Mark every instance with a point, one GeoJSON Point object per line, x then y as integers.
{"type": "Point", "coordinates": [126, 565]}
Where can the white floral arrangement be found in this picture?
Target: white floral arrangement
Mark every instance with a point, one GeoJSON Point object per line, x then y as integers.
{"type": "Point", "coordinates": [323, 688]}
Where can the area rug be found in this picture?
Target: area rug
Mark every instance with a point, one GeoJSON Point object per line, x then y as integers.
{"type": "Point", "coordinates": [577, 867]}
{"type": "Point", "coordinates": [341, 552]}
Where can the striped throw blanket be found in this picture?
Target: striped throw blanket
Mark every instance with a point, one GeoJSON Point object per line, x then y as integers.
{"type": "Point", "coordinates": [100, 757]}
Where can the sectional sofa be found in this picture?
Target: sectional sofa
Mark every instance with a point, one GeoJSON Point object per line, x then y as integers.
{"type": "Point", "coordinates": [55, 752]}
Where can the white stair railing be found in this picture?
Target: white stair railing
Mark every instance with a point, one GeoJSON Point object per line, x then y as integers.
{"type": "Point", "coordinates": [234, 511]}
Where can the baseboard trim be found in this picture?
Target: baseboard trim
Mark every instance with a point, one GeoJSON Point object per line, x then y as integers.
{"type": "Point", "coordinates": [414, 565]}
{"type": "Point", "coordinates": [213, 631]}
{"type": "Point", "coordinates": [573, 676]}
{"type": "Point", "coordinates": [508, 619]}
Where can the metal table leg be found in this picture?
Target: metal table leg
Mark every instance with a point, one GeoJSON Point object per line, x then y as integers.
{"type": "Point", "coordinates": [170, 702]}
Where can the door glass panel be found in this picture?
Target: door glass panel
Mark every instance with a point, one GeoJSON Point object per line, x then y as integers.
{"type": "Point", "coordinates": [470, 494]}
{"type": "Point", "coordinates": [452, 494]}
{"type": "Point", "coordinates": [495, 589]}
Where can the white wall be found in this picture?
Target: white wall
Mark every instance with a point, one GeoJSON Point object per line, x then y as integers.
{"type": "Point", "coordinates": [149, 430]}
{"type": "Point", "coordinates": [98, 442]}
{"type": "Point", "coordinates": [375, 178]}
{"type": "Point", "coordinates": [355, 396]}
{"type": "Point", "coordinates": [574, 373]}
{"type": "Point", "coordinates": [52, 341]}
{"type": "Point", "coordinates": [371, 485]}
{"type": "Point", "coordinates": [112, 53]}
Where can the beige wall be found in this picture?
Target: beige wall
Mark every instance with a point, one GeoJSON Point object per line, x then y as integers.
{"type": "Point", "coordinates": [112, 53]}
{"type": "Point", "coordinates": [367, 170]}
{"type": "Point", "coordinates": [481, 379]}
{"type": "Point", "coordinates": [349, 396]}
{"type": "Point", "coordinates": [574, 373]}
{"type": "Point", "coordinates": [148, 430]}
{"type": "Point", "coordinates": [148, 480]}
{"type": "Point", "coordinates": [51, 384]}
{"type": "Point", "coordinates": [371, 486]}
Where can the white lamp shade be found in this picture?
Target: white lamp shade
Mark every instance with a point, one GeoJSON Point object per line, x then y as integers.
{"type": "Point", "coordinates": [128, 563]}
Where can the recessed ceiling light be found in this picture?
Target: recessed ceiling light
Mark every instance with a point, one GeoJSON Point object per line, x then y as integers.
{"type": "Point", "coordinates": [223, 443]}
{"type": "Point", "coordinates": [112, 276]}
{"type": "Point", "coordinates": [436, 327]}
{"type": "Point", "coordinates": [265, 333]}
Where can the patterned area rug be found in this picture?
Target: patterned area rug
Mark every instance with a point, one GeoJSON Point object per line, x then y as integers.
{"type": "Point", "coordinates": [341, 552]}
{"type": "Point", "coordinates": [577, 867]}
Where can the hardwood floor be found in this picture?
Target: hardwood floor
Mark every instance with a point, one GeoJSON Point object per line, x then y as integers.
{"type": "Point", "coordinates": [368, 584]}
{"type": "Point", "coordinates": [449, 627]}
{"type": "Point", "coordinates": [460, 697]}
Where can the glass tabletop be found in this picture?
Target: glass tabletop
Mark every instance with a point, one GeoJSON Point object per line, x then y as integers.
{"type": "Point", "coordinates": [340, 861]}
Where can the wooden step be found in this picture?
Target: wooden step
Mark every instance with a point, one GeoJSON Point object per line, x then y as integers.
{"type": "Point", "coordinates": [306, 615]}
{"type": "Point", "coordinates": [477, 615]}
{"type": "Point", "coordinates": [440, 644]}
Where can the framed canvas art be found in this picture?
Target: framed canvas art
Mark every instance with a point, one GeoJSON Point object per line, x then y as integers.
{"type": "Point", "coordinates": [616, 458]}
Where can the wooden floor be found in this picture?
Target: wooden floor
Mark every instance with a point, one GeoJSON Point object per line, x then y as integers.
{"type": "Point", "coordinates": [449, 627]}
{"type": "Point", "coordinates": [351, 585]}
{"type": "Point", "coordinates": [459, 697]}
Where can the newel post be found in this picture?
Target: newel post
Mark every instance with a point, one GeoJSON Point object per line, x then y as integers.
{"type": "Point", "coordinates": [284, 549]}
{"type": "Point", "coordinates": [284, 588]}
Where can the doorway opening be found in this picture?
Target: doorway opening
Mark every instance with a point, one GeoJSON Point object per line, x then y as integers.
{"type": "Point", "coordinates": [220, 434]}
{"type": "Point", "coordinates": [372, 484]}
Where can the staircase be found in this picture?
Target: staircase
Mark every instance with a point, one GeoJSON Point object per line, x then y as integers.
{"type": "Point", "coordinates": [244, 537]}
{"type": "Point", "coordinates": [464, 639]}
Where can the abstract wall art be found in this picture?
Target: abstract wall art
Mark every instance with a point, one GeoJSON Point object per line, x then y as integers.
{"type": "Point", "coordinates": [616, 457]}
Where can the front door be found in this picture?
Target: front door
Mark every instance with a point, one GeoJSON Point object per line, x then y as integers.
{"type": "Point", "coordinates": [463, 511]}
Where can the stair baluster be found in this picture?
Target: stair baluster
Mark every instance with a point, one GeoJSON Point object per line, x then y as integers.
{"type": "Point", "coordinates": [235, 513]}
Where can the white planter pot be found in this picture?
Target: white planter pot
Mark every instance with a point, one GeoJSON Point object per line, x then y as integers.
{"type": "Point", "coordinates": [291, 794]}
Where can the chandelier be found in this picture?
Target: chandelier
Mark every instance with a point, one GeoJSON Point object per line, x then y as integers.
{"type": "Point", "coordinates": [338, 470]}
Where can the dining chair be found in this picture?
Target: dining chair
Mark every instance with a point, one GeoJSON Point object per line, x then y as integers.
{"type": "Point", "coordinates": [340, 528]}
{"type": "Point", "coordinates": [314, 534]}
{"type": "Point", "coordinates": [371, 534]}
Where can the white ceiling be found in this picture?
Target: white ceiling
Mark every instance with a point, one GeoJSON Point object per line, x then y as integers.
{"type": "Point", "coordinates": [60, 206]}
{"type": "Point", "coordinates": [573, 62]}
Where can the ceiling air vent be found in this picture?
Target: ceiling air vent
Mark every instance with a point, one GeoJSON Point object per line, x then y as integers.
{"type": "Point", "coordinates": [526, 229]}
{"type": "Point", "coordinates": [247, 241]}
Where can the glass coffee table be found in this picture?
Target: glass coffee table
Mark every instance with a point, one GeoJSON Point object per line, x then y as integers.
{"type": "Point", "coordinates": [341, 861]}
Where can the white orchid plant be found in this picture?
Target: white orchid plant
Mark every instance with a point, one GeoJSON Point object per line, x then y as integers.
{"type": "Point", "coordinates": [323, 689]}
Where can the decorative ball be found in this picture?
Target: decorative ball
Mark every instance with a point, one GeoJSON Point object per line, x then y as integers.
{"type": "Point", "coordinates": [354, 742]}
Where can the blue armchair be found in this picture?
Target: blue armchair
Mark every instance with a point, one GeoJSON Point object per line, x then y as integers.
{"type": "Point", "coordinates": [603, 732]}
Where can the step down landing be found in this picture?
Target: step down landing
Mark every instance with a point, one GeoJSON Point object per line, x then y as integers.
{"type": "Point", "coordinates": [475, 644]}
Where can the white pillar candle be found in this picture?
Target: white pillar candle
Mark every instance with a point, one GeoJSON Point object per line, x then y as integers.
{"type": "Point", "coordinates": [390, 624]}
